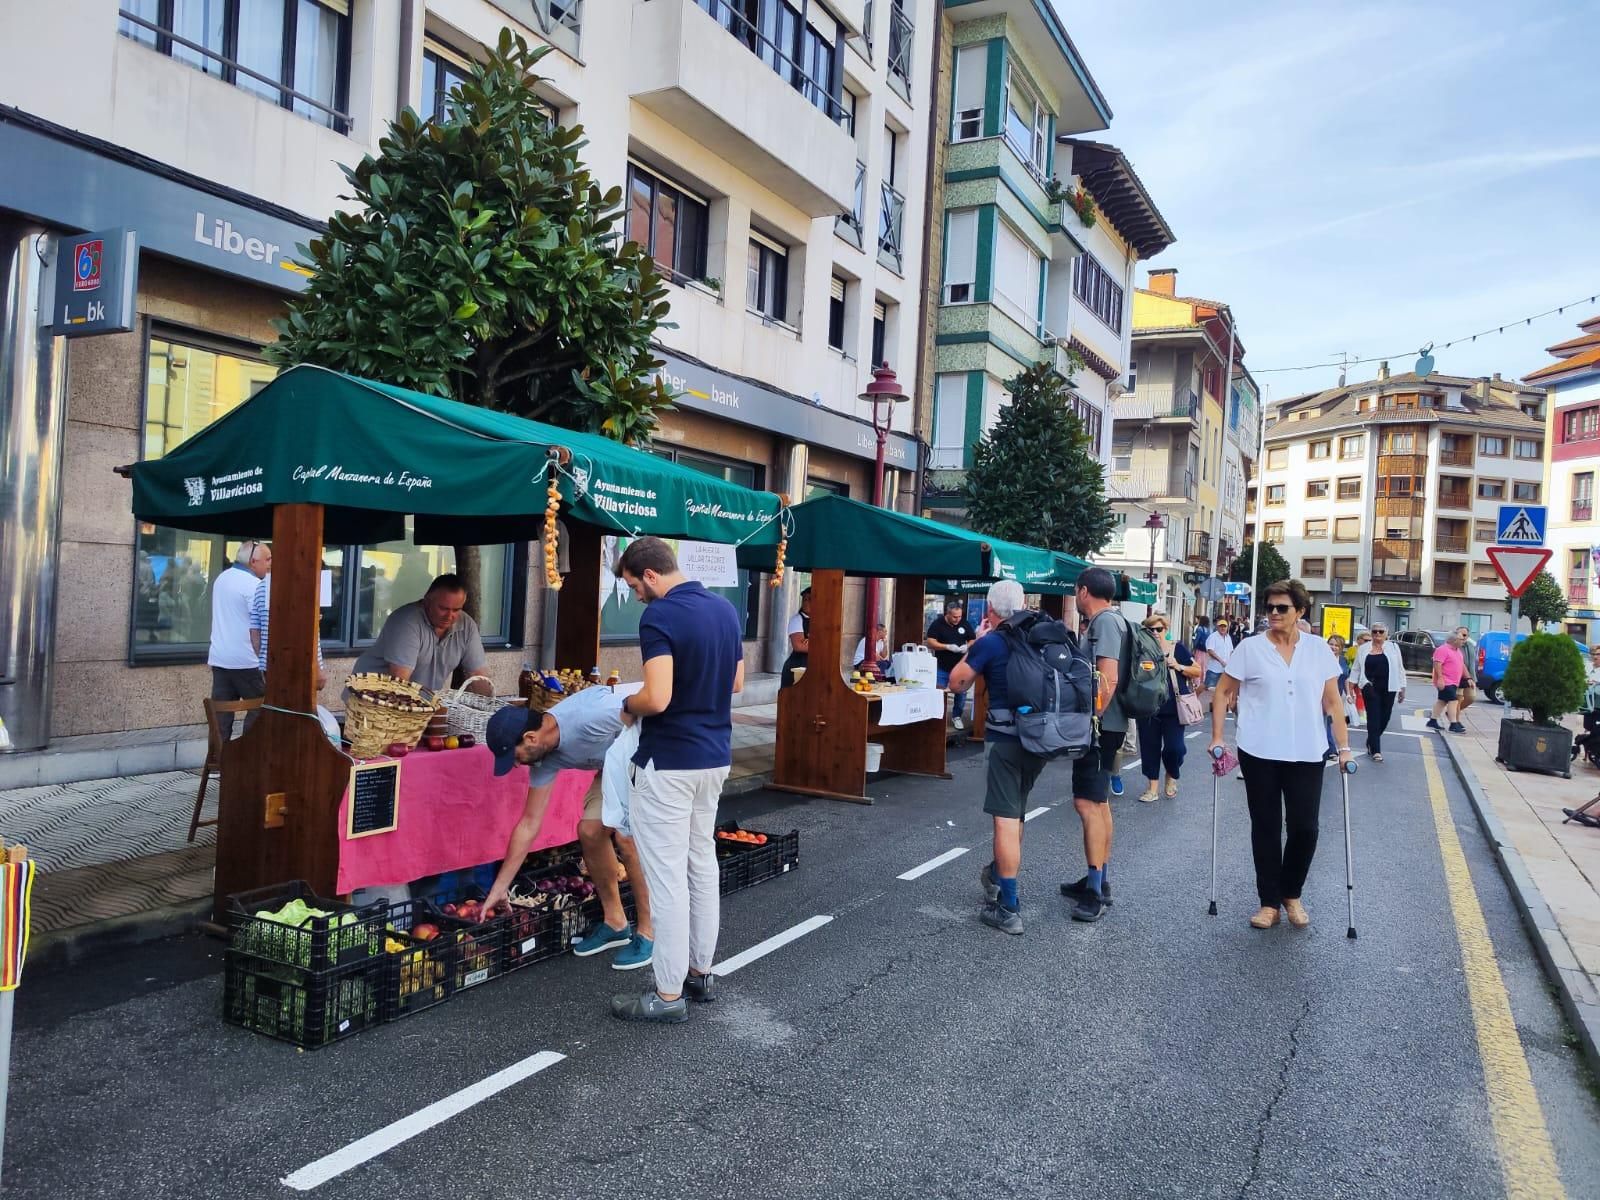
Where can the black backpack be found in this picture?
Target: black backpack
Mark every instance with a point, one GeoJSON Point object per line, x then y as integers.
{"type": "Point", "coordinates": [1050, 684]}
{"type": "Point", "coordinates": [1142, 681]}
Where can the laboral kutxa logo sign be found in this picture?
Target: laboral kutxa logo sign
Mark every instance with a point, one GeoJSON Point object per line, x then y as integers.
{"type": "Point", "coordinates": [86, 259]}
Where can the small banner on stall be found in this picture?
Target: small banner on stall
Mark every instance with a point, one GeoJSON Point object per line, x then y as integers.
{"type": "Point", "coordinates": [712, 564]}
{"type": "Point", "coordinates": [16, 899]}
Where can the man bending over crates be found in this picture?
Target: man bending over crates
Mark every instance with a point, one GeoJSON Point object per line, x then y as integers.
{"type": "Point", "coordinates": [575, 734]}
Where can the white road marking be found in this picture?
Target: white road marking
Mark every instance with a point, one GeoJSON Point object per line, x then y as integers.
{"type": "Point", "coordinates": [933, 864]}
{"type": "Point", "coordinates": [776, 941]}
{"type": "Point", "coordinates": [1037, 812]}
{"type": "Point", "coordinates": [390, 1136]}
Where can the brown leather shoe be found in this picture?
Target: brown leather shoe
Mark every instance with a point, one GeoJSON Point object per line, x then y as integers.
{"type": "Point", "coordinates": [1265, 918]}
{"type": "Point", "coordinates": [1297, 914]}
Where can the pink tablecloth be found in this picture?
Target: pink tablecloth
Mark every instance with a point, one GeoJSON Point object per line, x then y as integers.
{"type": "Point", "coordinates": [454, 814]}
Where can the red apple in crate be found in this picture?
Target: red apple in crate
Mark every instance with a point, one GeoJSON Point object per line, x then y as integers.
{"type": "Point", "coordinates": [424, 932]}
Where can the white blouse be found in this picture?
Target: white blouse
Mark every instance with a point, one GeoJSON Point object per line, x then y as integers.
{"type": "Point", "coordinates": [1280, 703]}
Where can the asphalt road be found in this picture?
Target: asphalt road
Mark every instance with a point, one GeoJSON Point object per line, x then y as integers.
{"type": "Point", "coordinates": [900, 1049]}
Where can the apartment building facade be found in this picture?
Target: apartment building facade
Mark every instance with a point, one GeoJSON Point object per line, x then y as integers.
{"type": "Point", "coordinates": [1572, 463]}
{"type": "Point", "coordinates": [1177, 443]}
{"type": "Point", "coordinates": [1391, 489]}
{"type": "Point", "coordinates": [1004, 238]}
{"type": "Point", "coordinates": [773, 158]}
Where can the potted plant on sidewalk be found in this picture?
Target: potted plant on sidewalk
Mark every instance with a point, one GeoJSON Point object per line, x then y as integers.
{"type": "Point", "coordinates": [1546, 677]}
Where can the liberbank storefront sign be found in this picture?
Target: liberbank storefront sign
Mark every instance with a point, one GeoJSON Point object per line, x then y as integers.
{"type": "Point", "coordinates": [705, 389]}
{"type": "Point", "coordinates": [69, 182]}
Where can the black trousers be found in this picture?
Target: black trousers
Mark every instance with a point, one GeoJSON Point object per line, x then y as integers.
{"type": "Point", "coordinates": [1380, 707]}
{"type": "Point", "coordinates": [1281, 793]}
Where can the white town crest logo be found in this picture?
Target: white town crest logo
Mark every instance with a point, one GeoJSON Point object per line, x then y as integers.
{"type": "Point", "coordinates": [195, 485]}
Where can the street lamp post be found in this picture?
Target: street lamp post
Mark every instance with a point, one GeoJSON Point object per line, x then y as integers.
{"type": "Point", "coordinates": [883, 393]}
{"type": "Point", "coordinates": [1153, 525]}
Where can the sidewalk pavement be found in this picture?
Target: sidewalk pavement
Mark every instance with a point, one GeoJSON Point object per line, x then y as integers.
{"type": "Point", "coordinates": [1553, 868]}
{"type": "Point", "coordinates": [115, 862]}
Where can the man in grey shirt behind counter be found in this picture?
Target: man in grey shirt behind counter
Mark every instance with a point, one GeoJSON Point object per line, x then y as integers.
{"type": "Point", "coordinates": [427, 640]}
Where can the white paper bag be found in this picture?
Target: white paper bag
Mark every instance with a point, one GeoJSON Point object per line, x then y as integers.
{"type": "Point", "coordinates": [614, 780]}
{"type": "Point", "coordinates": [915, 664]}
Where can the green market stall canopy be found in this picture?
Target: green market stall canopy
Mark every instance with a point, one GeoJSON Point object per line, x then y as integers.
{"type": "Point", "coordinates": [836, 533]}
{"type": "Point", "coordinates": [371, 454]}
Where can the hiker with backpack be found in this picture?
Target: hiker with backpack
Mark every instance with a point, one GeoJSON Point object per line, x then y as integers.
{"type": "Point", "coordinates": [1131, 682]}
{"type": "Point", "coordinates": [1040, 686]}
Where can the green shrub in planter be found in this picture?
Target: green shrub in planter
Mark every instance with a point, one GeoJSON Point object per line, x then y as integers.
{"type": "Point", "coordinates": [1545, 676]}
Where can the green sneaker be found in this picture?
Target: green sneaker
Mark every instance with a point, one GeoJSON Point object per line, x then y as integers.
{"type": "Point", "coordinates": [637, 953]}
{"type": "Point", "coordinates": [603, 937]}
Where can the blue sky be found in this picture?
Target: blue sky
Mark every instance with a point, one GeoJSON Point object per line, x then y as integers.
{"type": "Point", "coordinates": [1365, 177]}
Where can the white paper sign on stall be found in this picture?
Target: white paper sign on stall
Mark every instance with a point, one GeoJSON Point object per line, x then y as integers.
{"type": "Point", "coordinates": [711, 563]}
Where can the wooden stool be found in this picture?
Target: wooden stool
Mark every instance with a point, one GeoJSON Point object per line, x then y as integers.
{"type": "Point", "coordinates": [213, 764]}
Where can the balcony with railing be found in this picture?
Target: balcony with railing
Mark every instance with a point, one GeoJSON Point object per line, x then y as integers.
{"type": "Point", "coordinates": [1184, 406]}
{"type": "Point", "coordinates": [1455, 456]}
{"type": "Point", "coordinates": [1578, 589]}
{"type": "Point", "coordinates": [851, 226]}
{"type": "Point", "coordinates": [1450, 579]}
{"type": "Point", "coordinates": [1455, 498]}
{"type": "Point", "coordinates": [902, 34]}
{"type": "Point", "coordinates": [757, 106]}
{"type": "Point", "coordinates": [1583, 509]}
{"type": "Point", "coordinates": [1199, 548]}
{"type": "Point", "coordinates": [1451, 537]}
{"type": "Point", "coordinates": [891, 230]}
{"type": "Point", "coordinates": [1173, 489]}
{"type": "Point", "coordinates": [1400, 506]}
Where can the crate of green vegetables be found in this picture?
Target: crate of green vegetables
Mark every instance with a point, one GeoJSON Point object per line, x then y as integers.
{"type": "Point", "coordinates": [291, 924]}
{"type": "Point", "coordinates": [308, 1008]}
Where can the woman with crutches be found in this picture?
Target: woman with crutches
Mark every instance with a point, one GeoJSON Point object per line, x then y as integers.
{"type": "Point", "coordinates": [1284, 681]}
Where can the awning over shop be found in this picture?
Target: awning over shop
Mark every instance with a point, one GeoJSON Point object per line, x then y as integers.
{"type": "Point", "coordinates": [372, 454]}
{"type": "Point", "coordinates": [1140, 591]}
{"type": "Point", "coordinates": [837, 533]}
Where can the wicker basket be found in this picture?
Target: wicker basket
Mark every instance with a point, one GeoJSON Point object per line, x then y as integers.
{"type": "Point", "coordinates": [468, 712]}
{"type": "Point", "coordinates": [544, 699]}
{"type": "Point", "coordinates": [381, 711]}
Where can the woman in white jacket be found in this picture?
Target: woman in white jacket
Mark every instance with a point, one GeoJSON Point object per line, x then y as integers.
{"type": "Point", "coordinates": [1380, 675]}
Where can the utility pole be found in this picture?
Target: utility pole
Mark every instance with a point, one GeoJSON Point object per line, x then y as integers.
{"type": "Point", "coordinates": [1222, 442]}
{"type": "Point", "coordinates": [1261, 498]}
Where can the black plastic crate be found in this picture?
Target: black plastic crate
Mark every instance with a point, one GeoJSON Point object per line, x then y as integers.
{"type": "Point", "coordinates": [733, 871]}
{"type": "Point", "coordinates": [477, 948]}
{"type": "Point", "coordinates": [780, 855]}
{"type": "Point", "coordinates": [418, 975]}
{"type": "Point", "coordinates": [347, 936]}
{"type": "Point", "coordinates": [308, 1008]}
{"type": "Point", "coordinates": [533, 935]}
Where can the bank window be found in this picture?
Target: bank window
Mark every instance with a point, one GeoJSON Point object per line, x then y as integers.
{"type": "Point", "coordinates": [1275, 493]}
{"type": "Point", "coordinates": [1350, 487]}
{"type": "Point", "coordinates": [1352, 446]}
{"type": "Point", "coordinates": [1347, 529]}
{"type": "Point", "coordinates": [191, 382]}
{"type": "Point", "coordinates": [839, 290]}
{"type": "Point", "coordinates": [961, 257]}
{"type": "Point", "coordinates": [669, 222]}
{"type": "Point", "coordinates": [1272, 533]}
{"type": "Point", "coordinates": [620, 610]}
{"type": "Point", "coordinates": [950, 424]}
{"type": "Point", "coordinates": [1491, 489]}
{"type": "Point", "coordinates": [293, 53]}
{"type": "Point", "coordinates": [1316, 489]}
{"type": "Point", "coordinates": [767, 278]}
{"type": "Point", "coordinates": [1525, 491]}
{"type": "Point", "coordinates": [1277, 458]}
{"type": "Point", "coordinates": [1529, 448]}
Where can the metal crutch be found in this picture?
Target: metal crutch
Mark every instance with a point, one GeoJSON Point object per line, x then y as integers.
{"type": "Point", "coordinates": [1216, 784]}
{"type": "Point", "coordinates": [1345, 772]}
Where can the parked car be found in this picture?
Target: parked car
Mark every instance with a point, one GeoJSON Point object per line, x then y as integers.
{"type": "Point", "coordinates": [1417, 647]}
{"type": "Point", "coordinates": [1494, 652]}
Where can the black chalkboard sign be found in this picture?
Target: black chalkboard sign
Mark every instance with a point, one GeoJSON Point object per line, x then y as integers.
{"type": "Point", "coordinates": [374, 798]}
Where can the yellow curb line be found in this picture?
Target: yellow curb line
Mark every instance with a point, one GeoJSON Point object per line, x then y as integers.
{"type": "Point", "coordinates": [1527, 1158]}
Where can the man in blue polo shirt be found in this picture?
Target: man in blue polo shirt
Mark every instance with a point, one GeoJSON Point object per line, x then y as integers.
{"type": "Point", "coordinates": [693, 663]}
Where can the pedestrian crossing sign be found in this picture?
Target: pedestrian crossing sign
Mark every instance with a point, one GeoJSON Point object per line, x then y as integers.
{"type": "Point", "coordinates": [1520, 525]}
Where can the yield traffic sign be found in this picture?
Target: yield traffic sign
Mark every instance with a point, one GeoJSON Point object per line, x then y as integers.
{"type": "Point", "coordinates": [1517, 565]}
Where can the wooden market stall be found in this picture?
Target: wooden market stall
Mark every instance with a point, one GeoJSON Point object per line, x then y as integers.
{"type": "Point", "coordinates": [319, 456]}
{"type": "Point", "coordinates": [824, 726]}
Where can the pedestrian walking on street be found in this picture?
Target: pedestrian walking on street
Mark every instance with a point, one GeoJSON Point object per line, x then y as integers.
{"type": "Point", "coordinates": [1092, 775]}
{"type": "Point", "coordinates": [1009, 770]}
{"type": "Point", "coordinates": [235, 670]}
{"type": "Point", "coordinates": [1336, 644]}
{"type": "Point", "coordinates": [1284, 682]}
{"type": "Point", "coordinates": [1161, 736]}
{"type": "Point", "coordinates": [1449, 668]}
{"type": "Point", "coordinates": [1379, 674]}
{"type": "Point", "coordinates": [1469, 679]}
{"type": "Point", "coordinates": [693, 665]}
{"type": "Point", "coordinates": [1219, 649]}
{"type": "Point", "coordinates": [948, 638]}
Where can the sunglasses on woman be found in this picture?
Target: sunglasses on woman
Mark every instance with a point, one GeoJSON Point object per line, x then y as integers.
{"type": "Point", "coordinates": [1278, 610]}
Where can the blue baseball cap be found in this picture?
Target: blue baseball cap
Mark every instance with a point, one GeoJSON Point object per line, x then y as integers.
{"type": "Point", "coordinates": [504, 734]}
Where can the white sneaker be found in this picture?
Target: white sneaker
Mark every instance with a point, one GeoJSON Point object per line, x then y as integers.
{"type": "Point", "coordinates": [958, 723]}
